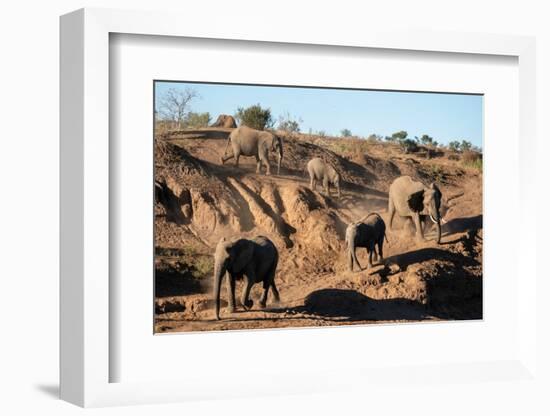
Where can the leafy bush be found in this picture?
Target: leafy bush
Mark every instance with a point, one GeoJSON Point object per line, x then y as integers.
{"type": "Point", "coordinates": [462, 146]}
{"type": "Point", "coordinates": [409, 145]}
{"type": "Point", "coordinates": [186, 260]}
{"type": "Point", "coordinates": [255, 116]}
{"type": "Point", "coordinates": [196, 120]}
{"type": "Point", "coordinates": [345, 132]}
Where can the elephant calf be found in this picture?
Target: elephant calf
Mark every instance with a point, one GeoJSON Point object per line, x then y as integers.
{"type": "Point", "coordinates": [319, 170]}
{"type": "Point", "coordinates": [255, 260]}
{"type": "Point", "coordinates": [369, 233]}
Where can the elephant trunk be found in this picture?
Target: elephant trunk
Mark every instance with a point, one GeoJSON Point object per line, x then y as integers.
{"type": "Point", "coordinates": [279, 159]}
{"type": "Point", "coordinates": [438, 230]}
{"type": "Point", "coordinates": [219, 272]}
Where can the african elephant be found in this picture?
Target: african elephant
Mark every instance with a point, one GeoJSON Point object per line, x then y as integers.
{"type": "Point", "coordinates": [225, 121]}
{"type": "Point", "coordinates": [319, 170]}
{"type": "Point", "coordinates": [413, 200]}
{"type": "Point", "coordinates": [250, 142]}
{"type": "Point", "coordinates": [369, 232]}
{"type": "Point", "coordinates": [255, 259]}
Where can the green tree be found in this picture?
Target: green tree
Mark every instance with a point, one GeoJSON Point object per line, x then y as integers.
{"type": "Point", "coordinates": [454, 145]}
{"type": "Point", "coordinates": [196, 120]}
{"type": "Point", "coordinates": [426, 140]}
{"type": "Point", "coordinates": [465, 145]}
{"type": "Point", "coordinates": [398, 136]}
{"type": "Point", "coordinates": [345, 132]}
{"type": "Point", "coordinates": [255, 116]}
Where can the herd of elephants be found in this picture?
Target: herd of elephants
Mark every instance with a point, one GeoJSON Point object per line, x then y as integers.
{"type": "Point", "coordinates": [256, 259]}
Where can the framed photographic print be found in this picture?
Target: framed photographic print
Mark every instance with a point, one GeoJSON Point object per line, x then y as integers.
{"type": "Point", "coordinates": [345, 200]}
{"type": "Point", "coordinates": [287, 240]}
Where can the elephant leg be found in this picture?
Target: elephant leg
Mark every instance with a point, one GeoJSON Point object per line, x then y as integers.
{"type": "Point", "coordinates": [269, 281]}
{"type": "Point", "coordinates": [237, 156]}
{"type": "Point", "coordinates": [370, 251]}
{"type": "Point", "coordinates": [258, 164]}
{"type": "Point", "coordinates": [314, 184]}
{"type": "Point", "coordinates": [225, 158]}
{"type": "Point", "coordinates": [354, 255]}
{"type": "Point", "coordinates": [419, 232]}
{"type": "Point", "coordinates": [326, 187]}
{"type": "Point", "coordinates": [265, 161]}
{"type": "Point", "coordinates": [350, 260]}
{"type": "Point", "coordinates": [249, 281]}
{"type": "Point", "coordinates": [263, 299]}
{"type": "Point", "coordinates": [374, 254]}
{"type": "Point", "coordinates": [276, 297]}
{"type": "Point", "coordinates": [231, 292]}
{"type": "Point", "coordinates": [391, 210]}
{"type": "Point", "coordinates": [381, 249]}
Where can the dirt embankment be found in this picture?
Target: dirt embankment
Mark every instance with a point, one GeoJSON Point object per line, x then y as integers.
{"type": "Point", "coordinates": [199, 200]}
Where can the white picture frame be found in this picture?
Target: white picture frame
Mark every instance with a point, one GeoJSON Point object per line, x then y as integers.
{"type": "Point", "coordinates": [85, 218]}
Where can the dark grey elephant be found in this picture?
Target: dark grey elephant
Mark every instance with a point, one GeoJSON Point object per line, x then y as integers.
{"type": "Point", "coordinates": [415, 201]}
{"type": "Point", "coordinates": [369, 233]}
{"type": "Point", "coordinates": [255, 260]}
{"type": "Point", "coordinates": [250, 142]}
{"type": "Point", "coordinates": [319, 170]}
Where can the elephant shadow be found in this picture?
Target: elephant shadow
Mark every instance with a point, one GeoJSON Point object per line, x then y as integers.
{"type": "Point", "coordinates": [409, 258]}
{"type": "Point", "coordinates": [347, 305]}
{"type": "Point", "coordinates": [175, 283]}
{"type": "Point", "coordinates": [459, 225]}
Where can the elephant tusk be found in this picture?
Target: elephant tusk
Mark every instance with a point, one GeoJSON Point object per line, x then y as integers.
{"type": "Point", "coordinates": [432, 218]}
{"type": "Point", "coordinates": [444, 221]}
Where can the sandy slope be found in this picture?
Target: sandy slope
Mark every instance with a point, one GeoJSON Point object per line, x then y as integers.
{"type": "Point", "coordinates": [200, 200]}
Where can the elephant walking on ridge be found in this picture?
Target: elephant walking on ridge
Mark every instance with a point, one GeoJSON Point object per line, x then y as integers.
{"type": "Point", "coordinates": [250, 142]}
{"type": "Point", "coordinates": [319, 170]}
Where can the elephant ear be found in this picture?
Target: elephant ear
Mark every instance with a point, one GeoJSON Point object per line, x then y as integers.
{"type": "Point", "coordinates": [416, 201]}
{"type": "Point", "coordinates": [241, 254]}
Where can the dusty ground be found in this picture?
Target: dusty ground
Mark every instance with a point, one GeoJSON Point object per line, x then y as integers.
{"type": "Point", "coordinates": [199, 201]}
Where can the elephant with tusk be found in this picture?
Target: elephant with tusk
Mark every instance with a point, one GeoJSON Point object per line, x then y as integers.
{"type": "Point", "coordinates": [413, 200]}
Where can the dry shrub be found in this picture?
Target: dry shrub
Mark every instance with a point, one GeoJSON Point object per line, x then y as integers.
{"type": "Point", "coordinates": [472, 159]}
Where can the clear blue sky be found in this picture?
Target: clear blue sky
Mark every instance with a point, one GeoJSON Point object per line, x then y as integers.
{"type": "Point", "coordinates": [445, 117]}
